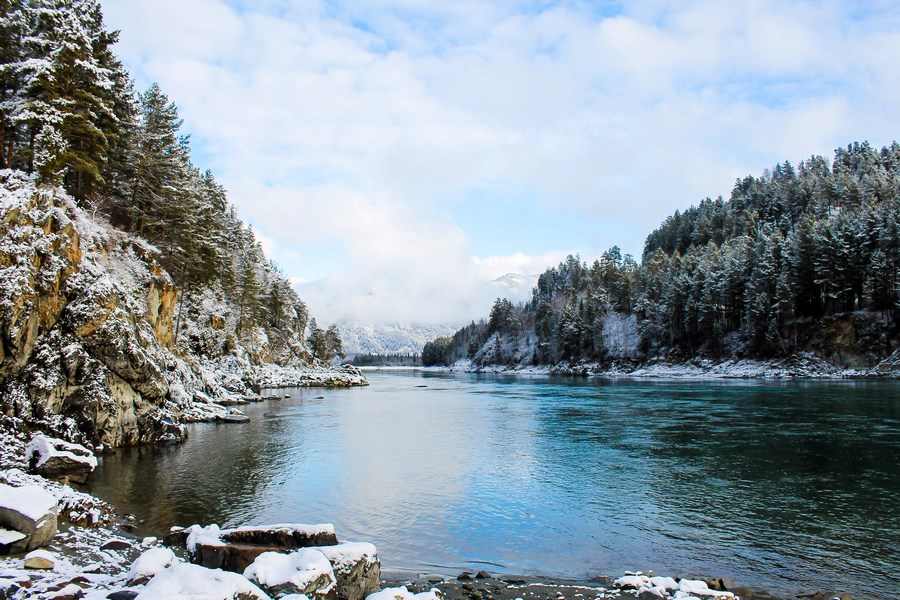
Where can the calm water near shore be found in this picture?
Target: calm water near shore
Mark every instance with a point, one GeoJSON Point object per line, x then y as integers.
{"type": "Point", "coordinates": [783, 486]}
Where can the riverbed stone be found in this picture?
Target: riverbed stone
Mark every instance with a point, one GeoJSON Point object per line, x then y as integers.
{"type": "Point", "coordinates": [29, 510]}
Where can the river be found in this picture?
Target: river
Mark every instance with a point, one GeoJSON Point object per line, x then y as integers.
{"type": "Point", "coordinates": [784, 486]}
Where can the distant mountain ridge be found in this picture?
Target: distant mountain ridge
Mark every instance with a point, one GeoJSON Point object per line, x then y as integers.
{"type": "Point", "coordinates": [391, 338]}
{"type": "Point", "coordinates": [516, 285]}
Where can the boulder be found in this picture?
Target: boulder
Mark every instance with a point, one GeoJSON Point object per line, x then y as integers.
{"type": "Point", "coordinates": [235, 549]}
{"type": "Point", "coordinates": [58, 459]}
{"type": "Point", "coordinates": [40, 559]}
{"type": "Point", "coordinates": [356, 568]}
{"type": "Point", "coordinates": [193, 581]}
{"type": "Point", "coordinates": [305, 571]}
{"type": "Point", "coordinates": [29, 510]}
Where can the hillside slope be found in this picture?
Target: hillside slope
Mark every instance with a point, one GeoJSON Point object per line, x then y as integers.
{"type": "Point", "coordinates": [799, 262]}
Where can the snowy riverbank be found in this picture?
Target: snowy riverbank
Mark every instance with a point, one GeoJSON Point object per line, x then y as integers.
{"type": "Point", "coordinates": [798, 366]}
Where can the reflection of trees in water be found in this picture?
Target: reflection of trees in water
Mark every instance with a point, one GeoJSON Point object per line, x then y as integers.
{"type": "Point", "coordinates": [219, 474]}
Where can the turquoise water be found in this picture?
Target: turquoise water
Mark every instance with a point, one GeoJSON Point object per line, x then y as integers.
{"type": "Point", "coordinates": [788, 487]}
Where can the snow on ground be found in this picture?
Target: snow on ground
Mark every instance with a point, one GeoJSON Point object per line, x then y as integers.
{"type": "Point", "coordinates": [801, 365]}
{"type": "Point", "coordinates": [196, 582]}
{"type": "Point", "coordinates": [401, 593]}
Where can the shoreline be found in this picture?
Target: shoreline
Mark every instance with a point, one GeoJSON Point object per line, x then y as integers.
{"type": "Point", "coordinates": [797, 367]}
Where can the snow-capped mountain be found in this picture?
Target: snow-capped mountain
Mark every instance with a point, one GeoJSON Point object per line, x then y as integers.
{"type": "Point", "coordinates": [393, 338]}
{"type": "Point", "coordinates": [515, 286]}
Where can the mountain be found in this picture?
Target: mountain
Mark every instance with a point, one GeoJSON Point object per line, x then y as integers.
{"type": "Point", "coordinates": [515, 286]}
{"type": "Point", "coordinates": [394, 338]}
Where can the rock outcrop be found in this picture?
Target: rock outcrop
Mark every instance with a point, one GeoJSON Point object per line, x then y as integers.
{"type": "Point", "coordinates": [236, 549]}
{"type": "Point", "coordinates": [356, 568]}
{"type": "Point", "coordinates": [88, 345]}
{"type": "Point", "coordinates": [75, 337]}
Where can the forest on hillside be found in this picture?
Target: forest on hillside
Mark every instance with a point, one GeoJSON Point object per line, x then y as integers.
{"type": "Point", "coordinates": [800, 259]}
{"type": "Point", "coordinates": [70, 117]}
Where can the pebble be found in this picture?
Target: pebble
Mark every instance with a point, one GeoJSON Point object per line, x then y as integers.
{"type": "Point", "coordinates": [482, 575]}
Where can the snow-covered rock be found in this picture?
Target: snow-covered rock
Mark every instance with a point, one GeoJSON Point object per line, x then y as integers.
{"type": "Point", "coordinates": [401, 593]}
{"type": "Point", "coordinates": [151, 562]}
{"type": "Point", "coordinates": [29, 510]}
{"type": "Point", "coordinates": [58, 459]}
{"type": "Point", "coordinates": [305, 571]}
{"type": "Point", "coordinates": [235, 549]}
{"type": "Point", "coordinates": [664, 582]}
{"type": "Point", "coordinates": [198, 583]}
{"type": "Point", "coordinates": [356, 568]}
{"type": "Point", "coordinates": [631, 581]}
{"type": "Point", "coordinates": [39, 559]}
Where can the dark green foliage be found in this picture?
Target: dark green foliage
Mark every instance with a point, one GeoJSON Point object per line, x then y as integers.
{"type": "Point", "coordinates": [751, 275]}
{"type": "Point", "coordinates": [69, 114]}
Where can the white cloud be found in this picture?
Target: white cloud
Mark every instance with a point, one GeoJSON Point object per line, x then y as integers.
{"type": "Point", "coordinates": [356, 128]}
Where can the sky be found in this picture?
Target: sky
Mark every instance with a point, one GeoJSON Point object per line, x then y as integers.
{"type": "Point", "coordinates": [394, 156]}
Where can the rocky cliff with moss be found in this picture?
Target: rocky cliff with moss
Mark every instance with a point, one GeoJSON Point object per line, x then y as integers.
{"type": "Point", "coordinates": [88, 346]}
{"type": "Point", "coordinates": [132, 296]}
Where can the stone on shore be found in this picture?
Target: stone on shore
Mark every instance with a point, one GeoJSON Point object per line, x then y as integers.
{"type": "Point", "coordinates": [356, 568]}
{"type": "Point", "coordinates": [402, 593]}
{"type": "Point", "coordinates": [150, 563]}
{"type": "Point", "coordinates": [57, 459]}
{"type": "Point", "coordinates": [40, 559]}
{"type": "Point", "coordinates": [29, 510]}
{"type": "Point", "coordinates": [306, 571]}
{"type": "Point", "coordinates": [236, 549]}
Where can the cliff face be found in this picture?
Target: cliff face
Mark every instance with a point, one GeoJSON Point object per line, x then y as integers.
{"type": "Point", "coordinates": [85, 321]}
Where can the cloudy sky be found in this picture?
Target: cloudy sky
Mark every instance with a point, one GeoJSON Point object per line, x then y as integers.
{"type": "Point", "coordinates": [393, 156]}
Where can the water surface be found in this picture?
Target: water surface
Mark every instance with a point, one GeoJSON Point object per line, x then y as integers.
{"type": "Point", "coordinates": [784, 486]}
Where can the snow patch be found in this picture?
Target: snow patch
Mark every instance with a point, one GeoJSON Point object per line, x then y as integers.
{"type": "Point", "coordinates": [198, 583]}
{"type": "Point", "coordinates": [300, 569]}
{"type": "Point", "coordinates": [30, 500]}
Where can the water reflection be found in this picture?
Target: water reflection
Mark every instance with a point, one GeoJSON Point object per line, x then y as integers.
{"type": "Point", "coordinates": [785, 486]}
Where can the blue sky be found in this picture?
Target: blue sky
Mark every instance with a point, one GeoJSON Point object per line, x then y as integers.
{"type": "Point", "coordinates": [393, 156]}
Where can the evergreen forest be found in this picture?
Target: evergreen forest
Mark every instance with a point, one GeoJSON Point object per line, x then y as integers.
{"type": "Point", "coordinates": [70, 117]}
{"type": "Point", "coordinates": [799, 259]}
